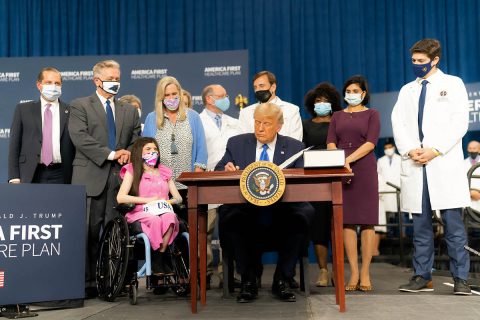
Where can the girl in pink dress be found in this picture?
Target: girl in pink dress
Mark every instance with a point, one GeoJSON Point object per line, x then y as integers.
{"type": "Point", "coordinates": [146, 180]}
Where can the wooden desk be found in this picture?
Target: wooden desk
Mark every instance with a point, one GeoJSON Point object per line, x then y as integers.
{"type": "Point", "coordinates": [223, 187]}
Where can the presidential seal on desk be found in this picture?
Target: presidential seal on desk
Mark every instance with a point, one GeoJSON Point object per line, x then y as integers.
{"type": "Point", "coordinates": [262, 183]}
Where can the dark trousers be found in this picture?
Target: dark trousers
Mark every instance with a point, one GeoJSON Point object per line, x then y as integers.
{"type": "Point", "coordinates": [100, 210]}
{"type": "Point", "coordinates": [244, 229]}
{"type": "Point", "coordinates": [49, 174]}
{"type": "Point", "coordinates": [455, 236]}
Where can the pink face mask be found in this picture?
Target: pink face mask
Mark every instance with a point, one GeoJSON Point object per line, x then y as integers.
{"type": "Point", "coordinates": [171, 104]}
{"type": "Point", "coordinates": [150, 158]}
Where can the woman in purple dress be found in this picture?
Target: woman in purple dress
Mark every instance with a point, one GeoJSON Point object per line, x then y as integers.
{"type": "Point", "coordinates": [355, 130]}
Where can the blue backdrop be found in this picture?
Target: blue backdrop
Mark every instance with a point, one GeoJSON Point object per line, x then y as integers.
{"type": "Point", "coordinates": [302, 41]}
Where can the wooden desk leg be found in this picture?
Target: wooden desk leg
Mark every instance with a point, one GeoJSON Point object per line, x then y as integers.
{"type": "Point", "coordinates": [338, 243]}
{"type": "Point", "coordinates": [193, 234]}
{"type": "Point", "coordinates": [339, 260]}
{"type": "Point", "coordinates": [334, 264]}
{"type": "Point", "coordinates": [202, 237]}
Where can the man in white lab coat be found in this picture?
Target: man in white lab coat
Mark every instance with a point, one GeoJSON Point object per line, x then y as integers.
{"type": "Point", "coordinates": [265, 87]}
{"type": "Point", "coordinates": [218, 127]}
{"type": "Point", "coordinates": [388, 168]}
{"type": "Point", "coordinates": [429, 120]}
{"type": "Point", "coordinates": [473, 158]}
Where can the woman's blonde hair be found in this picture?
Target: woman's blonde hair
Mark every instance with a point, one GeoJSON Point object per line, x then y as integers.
{"type": "Point", "coordinates": [160, 95]}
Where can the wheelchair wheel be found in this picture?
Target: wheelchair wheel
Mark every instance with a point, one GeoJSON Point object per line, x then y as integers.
{"type": "Point", "coordinates": [112, 262]}
{"type": "Point", "coordinates": [181, 287]}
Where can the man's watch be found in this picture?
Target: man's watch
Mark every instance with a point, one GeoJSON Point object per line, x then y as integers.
{"type": "Point", "coordinates": [436, 152]}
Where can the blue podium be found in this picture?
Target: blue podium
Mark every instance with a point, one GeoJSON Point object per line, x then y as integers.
{"type": "Point", "coordinates": [42, 242]}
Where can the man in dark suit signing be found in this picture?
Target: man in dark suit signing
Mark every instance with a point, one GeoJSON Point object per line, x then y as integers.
{"type": "Point", "coordinates": [102, 129]}
{"type": "Point", "coordinates": [245, 226]}
{"type": "Point", "coordinates": [40, 149]}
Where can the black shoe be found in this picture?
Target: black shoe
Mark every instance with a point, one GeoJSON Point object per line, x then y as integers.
{"type": "Point", "coordinates": [292, 283]}
{"type": "Point", "coordinates": [417, 284]}
{"type": "Point", "coordinates": [248, 293]}
{"type": "Point", "coordinates": [279, 289]}
{"type": "Point", "coordinates": [461, 287]}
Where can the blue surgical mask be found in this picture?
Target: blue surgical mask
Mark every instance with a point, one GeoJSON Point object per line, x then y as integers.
{"type": "Point", "coordinates": [51, 92]}
{"type": "Point", "coordinates": [421, 70]}
{"type": "Point", "coordinates": [223, 104]}
{"type": "Point", "coordinates": [353, 99]}
{"type": "Point", "coordinates": [322, 108]}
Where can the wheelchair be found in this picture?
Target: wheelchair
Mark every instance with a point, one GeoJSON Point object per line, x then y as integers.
{"type": "Point", "coordinates": [472, 218]}
{"type": "Point", "coordinates": [123, 245]}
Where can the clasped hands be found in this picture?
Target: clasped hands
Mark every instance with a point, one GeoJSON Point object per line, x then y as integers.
{"type": "Point", "coordinates": [422, 155]}
{"type": "Point", "coordinates": [122, 156]}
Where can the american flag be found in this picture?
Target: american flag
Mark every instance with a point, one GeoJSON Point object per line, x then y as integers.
{"type": "Point", "coordinates": [2, 278]}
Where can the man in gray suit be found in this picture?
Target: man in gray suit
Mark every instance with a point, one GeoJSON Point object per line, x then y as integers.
{"type": "Point", "coordinates": [40, 149]}
{"type": "Point", "coordinates": [102, 129]}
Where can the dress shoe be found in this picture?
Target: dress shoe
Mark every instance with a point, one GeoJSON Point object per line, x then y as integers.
{"type": "Point", "coordinates": [461, 287]}
{"type": "Point", "coordinates": [279, 290]}
{"type": "Point", "coordinates": [417, 284]}
{"type": "Point", "coordinates": [247, 293]}
{"type": "Point", "coordinates": [292, 283]}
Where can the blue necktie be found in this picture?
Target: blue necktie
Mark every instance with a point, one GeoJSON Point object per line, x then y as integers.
{"type": "Point", "coordinates": [421, 106]}
{"type": "Point", "coordinates": [111, 126]}
{"type": "Point", "coordinates": [218, 121]}
{"type": "Point", "coordinates": [264, 154]}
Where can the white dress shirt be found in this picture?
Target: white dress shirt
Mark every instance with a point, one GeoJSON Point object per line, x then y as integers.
{"type": "Point", "coordinates": [55, 109]}
{"type": "Point", "coordinates": [292, 122]}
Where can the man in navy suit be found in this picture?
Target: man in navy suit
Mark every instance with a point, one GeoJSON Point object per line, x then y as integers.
{"type": "Point", "coordinates": [27, 159]}
{"type": "Point", "coordinates": [246, 227]}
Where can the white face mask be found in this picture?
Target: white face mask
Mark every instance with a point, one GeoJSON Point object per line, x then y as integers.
{"type": "Point", "coordinates": [111, 87]}
{"type": "Point", "coordinates": [353, 99]}
{"type": "Point", "coordinates": [51, 92]}
{"type": "Point", "coordinates": [389, 152]}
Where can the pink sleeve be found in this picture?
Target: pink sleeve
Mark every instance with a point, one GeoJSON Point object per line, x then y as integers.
{"type": "Point", "coordinates": [165, 172]}
{"type": "Point", "coordinates": [125, 168]}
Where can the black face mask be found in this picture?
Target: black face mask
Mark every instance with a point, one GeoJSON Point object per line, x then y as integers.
{"type": "Point", "coordinates": [473, 155]}
{"type": "Point", "coordinates": [263, 95]}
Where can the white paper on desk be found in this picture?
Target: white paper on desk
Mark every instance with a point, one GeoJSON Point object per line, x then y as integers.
{"type": "Point", "coordinates": [293, 158]}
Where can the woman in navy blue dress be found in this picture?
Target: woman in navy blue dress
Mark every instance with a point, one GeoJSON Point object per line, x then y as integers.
{"type": "Point", "coordinates": [355, 130]}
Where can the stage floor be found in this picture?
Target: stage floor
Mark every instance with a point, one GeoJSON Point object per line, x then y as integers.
{"type": "Point", "coordinates": [385, 302]}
